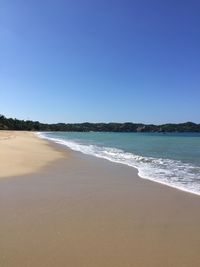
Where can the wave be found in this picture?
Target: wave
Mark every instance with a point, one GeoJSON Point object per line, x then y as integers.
{"type": "Point", "coordinates": [173, 173]}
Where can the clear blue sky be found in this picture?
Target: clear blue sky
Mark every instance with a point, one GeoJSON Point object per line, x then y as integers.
{"type": "Point", "coordinates": [100, 60]}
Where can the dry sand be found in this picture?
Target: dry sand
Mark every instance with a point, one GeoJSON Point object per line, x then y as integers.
{"type": "Point", "coordinates": [23, 153]}
{"type": "Point", "coordinates": [86, 212]}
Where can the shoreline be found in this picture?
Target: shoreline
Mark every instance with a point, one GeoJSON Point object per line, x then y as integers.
{"type": "Point", "coordinates": [64, 146]}
{"type": "Point", "coordinates": [130, 168]}
{"type": "Point", "coordinates": [84, 211]}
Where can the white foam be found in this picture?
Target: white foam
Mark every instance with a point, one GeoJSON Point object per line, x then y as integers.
{"type": "Point", "coordinates": [169, 172]}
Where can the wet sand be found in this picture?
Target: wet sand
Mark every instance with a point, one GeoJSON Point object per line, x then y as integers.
{"type": "Point", "coordinates": [80, 211]}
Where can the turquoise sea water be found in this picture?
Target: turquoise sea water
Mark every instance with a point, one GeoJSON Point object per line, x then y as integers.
{"type": "Point", "coordinates": [172, 159]}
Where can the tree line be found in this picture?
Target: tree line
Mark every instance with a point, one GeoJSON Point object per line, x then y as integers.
{"type": "Point", "coordinates": [28, 125]}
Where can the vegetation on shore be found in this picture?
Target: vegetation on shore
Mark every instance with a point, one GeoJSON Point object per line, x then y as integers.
{"type": "Point", "coordinates": [28, 125]}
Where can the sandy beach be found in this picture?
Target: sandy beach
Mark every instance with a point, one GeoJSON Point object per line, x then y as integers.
{"type": "Point", "coordinates": [22, 153]}
{"type": "Point", "coordinates": [62, 208]}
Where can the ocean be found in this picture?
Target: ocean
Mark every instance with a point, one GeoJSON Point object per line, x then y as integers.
{"type": "Point", "coordinates": [172, 159]}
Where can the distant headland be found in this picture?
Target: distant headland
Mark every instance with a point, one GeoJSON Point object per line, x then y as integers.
{"type": "Point", "coordinates": [28, 125]}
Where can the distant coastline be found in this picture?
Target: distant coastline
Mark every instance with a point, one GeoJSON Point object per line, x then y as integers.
{"type": "Point", "coordinates": [28, 125]}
